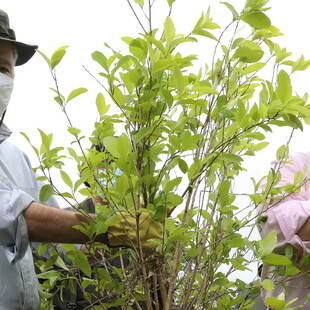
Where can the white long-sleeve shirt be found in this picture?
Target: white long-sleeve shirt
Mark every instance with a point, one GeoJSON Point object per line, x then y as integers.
{"type": "Point", "coordinates": [18, 188]}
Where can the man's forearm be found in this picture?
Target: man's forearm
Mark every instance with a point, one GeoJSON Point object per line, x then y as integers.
{"type": "Point", "coordinates": [48, 224]}
{"type": "Point", "coordinates": [304, 232]}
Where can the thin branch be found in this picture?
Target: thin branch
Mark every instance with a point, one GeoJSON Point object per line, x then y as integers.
{"type": "Point", "coordinates": [135, 14]}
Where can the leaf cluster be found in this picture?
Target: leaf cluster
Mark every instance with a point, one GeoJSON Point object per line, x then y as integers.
{"type": "Point", "coordinates": [180, 136]}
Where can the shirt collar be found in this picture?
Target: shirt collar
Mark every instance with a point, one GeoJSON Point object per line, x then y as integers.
{"type": "Point", "coordinates": [5, 132]}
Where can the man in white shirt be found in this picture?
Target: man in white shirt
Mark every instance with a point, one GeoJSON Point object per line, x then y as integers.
{"type": "Point", "coordinates": [22, 217]}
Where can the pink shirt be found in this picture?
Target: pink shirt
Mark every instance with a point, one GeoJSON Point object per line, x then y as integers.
{"type": "Point", "coordinates": [287, 218]}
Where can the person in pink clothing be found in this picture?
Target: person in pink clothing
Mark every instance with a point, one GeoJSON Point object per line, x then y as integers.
{"type": "Point", "coordinates": [290, 218]}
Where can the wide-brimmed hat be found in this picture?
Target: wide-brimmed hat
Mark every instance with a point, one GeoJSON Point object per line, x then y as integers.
{"type": "Point", "coordinates": [24, 51]}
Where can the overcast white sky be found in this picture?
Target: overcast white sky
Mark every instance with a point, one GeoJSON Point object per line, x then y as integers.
{"type": "Point", "coordinates": [85, 26]}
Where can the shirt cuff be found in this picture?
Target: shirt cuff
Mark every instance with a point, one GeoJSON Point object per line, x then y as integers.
{"type": "Point", "coordinates": [19, 202]}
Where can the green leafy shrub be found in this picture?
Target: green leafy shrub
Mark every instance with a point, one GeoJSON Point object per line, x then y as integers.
{"type": "Point", "coordinates": [179, 131]}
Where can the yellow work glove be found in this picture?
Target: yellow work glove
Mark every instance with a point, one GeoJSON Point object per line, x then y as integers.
{"type": "Point", "coordinates": [124, 234]}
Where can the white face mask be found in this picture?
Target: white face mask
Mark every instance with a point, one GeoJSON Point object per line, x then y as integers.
{"type": "Point", "coordinates": [6, 87]}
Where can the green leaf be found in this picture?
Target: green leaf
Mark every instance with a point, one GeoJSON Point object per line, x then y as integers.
{"type": "Point", "coordinates": [113, 220]}
{"type": "Point", "coordinates": [160, 213]}
{"type": "Point", "coordinates": [101, 59]}
{"type": "Point", "coordinates": [204, 33]}
{"type": "Point", "coordinates": [253, 68]}
{"type": "Point", "coordinates": [157, 43]}
{"type": "Point", "coordinates": [122, 184]}
{"type": "Point", "coordinates": [76, 93]}
{"type": "Point", "coordinates": [168, 97]}
{"type": "Point", "coordinates": [110, 144]}
{"type": "Point", "coordinates": [46, 295]}
{"type": "Point", "coordinates": [268, 285]}
{"type": "Point", "coordinates": [223, 192]}
{"type": "Point", "coordinates": [255, 4]}
{"type": "Point", "coordinates": [170, 2]}
{"type": "Point", "coordinates": [46, 141]}
{"type": "Point", "coordinates": [276, 260]}
{"type": "Point", "coordinates": [140, 2]}
{"type": "Point", "coordinates": [46, 192]}
{"type": "Point", "coordinates": [275, 303]}
{"type": "Point", "coordinates": [143, 132]}
{"type": "Point", "coordinates": [59, 262]}
{"type": "Point", "coordinates": [118, 96]}
{"type": "Point", "coordinates": [301, 64]}
{"type": "Point", "coordinates": [284, 88]}
{"type": "Point", "coordinates": [289, 251]}
{"type": "Point", "coordinates": [172, 184]}
{"type": "Point", "coordinates": [256, 19]}
{"type": "Point", "coordinates": [66, 195]}
{"type": "Point", "coordinates": [299, 177]}
{"type": "Point", "coordinates": [305, 111]}
{"type": "Point", "coordinates": [249, 52]}
{"type": "Point", "coordinates": [183, 165]}
{"type": "Point", "coordinates": [190, 142]}
{"type": "Point", "coordinates": [180, 234]}
{"type": "Point", "coordinates": [293, 121]}
{"type": "Point", "coordinates": [230, 158]}
{"type": "Point", "coordinates": [254, 135]}
{"type": "Point", "coordinates": [65, 177]}
{"type": "Point", "coordinates": [162, 64]}
{"type": "Point", "coordinates": [102, 107]}
{"type": "Point", "coordinates": [268, 244]}
{"type": "Point", "coordinates": [281, 53]}
{"type": "Point", "coordinates": [57, 56]}
{"type": "Point", "coordinates": [45, 58]}
{"type": "Point", "coordinates": [235, 241]}
{"type": "Point", "coordinates": [291, 270]}
{"type": "Point", "coordinates": [180, 39]}
{"type": "Point", "coordinates": [205, 90]}
{"type": "Point", "coordinates": [175, 142]}
{"type": "Point", "coordinates": [259, 146]}
{"type": "Point", "coordinates": [124, 146]}
{"type": "Point", "coordinates": [28, 139]}
{"type": "Point", "coordinates": [42, 248]}
{"type": "Point", "coordinates": [205, 22]}
{"type": "Point", "coordinates": [192, 252]}
{"type": "Point", "coordinates": [74, 131]}
{"type": "Point", "coordinates": [82, 263]}
{"type": "Point", "coordinates": [237, 265]}
{"type": "Point", "coordinates": [232, 10]}
{"type": "Point", "coordinates": [83, 178]}
{"type": "Point", "coordinates": [193, 171]}
{"type": "Point", "coordinates": [138, 48]}
{"type": "Point", "coordinates": [59, 100]}
{"type": "Point", "coordinates": [169, 30]}
{"type": "Point", "coordinates": [173, 200]}
{"type": "Point", "coordinates": [179, 80]}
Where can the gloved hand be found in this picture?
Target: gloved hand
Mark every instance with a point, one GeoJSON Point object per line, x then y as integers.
{"type": "Point", "coordinates": [124, 234]}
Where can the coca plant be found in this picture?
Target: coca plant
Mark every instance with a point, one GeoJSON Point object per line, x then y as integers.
{"type": "Point", "coordinates": [180, 131]}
